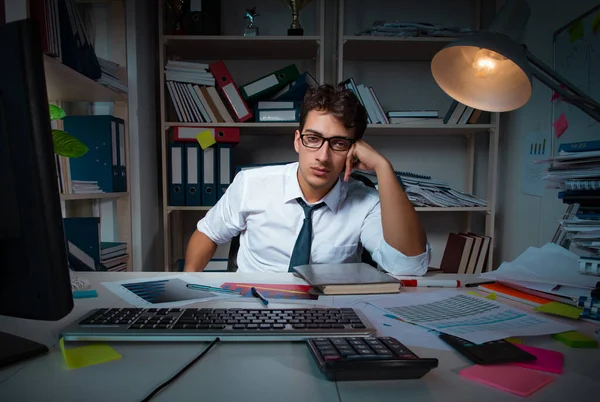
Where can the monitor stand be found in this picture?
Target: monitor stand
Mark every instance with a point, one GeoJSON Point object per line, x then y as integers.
{"type": "Point", "coordinates": [14, 349]}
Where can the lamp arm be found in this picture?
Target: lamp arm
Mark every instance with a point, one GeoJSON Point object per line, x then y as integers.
{"type": "Point", "coordinates": [567, 91]}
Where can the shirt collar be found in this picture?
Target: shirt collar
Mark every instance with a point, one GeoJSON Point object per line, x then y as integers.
{"type": "Point", "coordinates": [332, 199]}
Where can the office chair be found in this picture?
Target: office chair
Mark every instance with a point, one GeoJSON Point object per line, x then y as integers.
{"type": "Point", "coordinates": [235, 242]}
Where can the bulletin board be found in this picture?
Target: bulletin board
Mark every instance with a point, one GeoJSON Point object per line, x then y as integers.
{"type": "Point", "coordinates": [577, 58]}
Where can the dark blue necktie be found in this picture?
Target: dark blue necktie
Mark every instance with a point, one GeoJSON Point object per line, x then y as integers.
{"type": "Point", "coordinates": [301, 252]}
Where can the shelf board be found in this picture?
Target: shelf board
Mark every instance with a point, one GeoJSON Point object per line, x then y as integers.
{"type": "Point", "coordinates": [427, 129]}
{"type": "Point", "coordinates": [65, 84]}
{"type": "Point", "coordinates": [386, 48]}
{"type": "Point", "coordinates": [372, 129]}
{"type": "Point", "coordinates": [93, 196]}
{"type": "Point", "coordinates": [172, 208]}
{"type": "Point", "coordinates": [243, 47]}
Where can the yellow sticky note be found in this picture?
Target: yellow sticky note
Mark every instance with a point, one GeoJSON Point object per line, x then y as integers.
{"type": "Point", "coordinates": [596, 23]}
{"type": "Point", "coordinates": [491, 296]}
{"type": "Point", "coordinates": [89, 355]}
{"type": "Point", "coordinates": [561, 309]}
{"type": "Point", "coordinates": [576, 31]}
{"type": "Point", "coordinates": [514, 340]}
{"type": "Point", "coordinates": [205, 139]}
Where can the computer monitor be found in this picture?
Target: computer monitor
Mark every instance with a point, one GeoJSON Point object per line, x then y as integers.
{"type": "Point", "coordinates": [34, 274]}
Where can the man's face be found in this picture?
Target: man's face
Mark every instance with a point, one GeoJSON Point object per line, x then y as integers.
{"type": "Point", "coordinates": [321, 167]}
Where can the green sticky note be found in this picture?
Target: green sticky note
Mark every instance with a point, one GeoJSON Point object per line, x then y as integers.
{"type": "Point", "coordinates": [561, 309]}
{"type": "Point", "coordinates": [206, 139]}
{"type": "Point", "coordinates": [575, 339]}
{"type": "Point", "coordinates": [576, 31]}
{"type": "Point", "coordinates": [596, 23]}
{"type": "Point", "coordinates": [514, 340]}
{"type": "Point", "coordinates": [491, 296]}
{"type": "Point", "coordinates": [89, 355]}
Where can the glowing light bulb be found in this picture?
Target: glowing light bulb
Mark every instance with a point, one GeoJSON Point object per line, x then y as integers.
{"type": "Point", "coordinates": [487, 63]}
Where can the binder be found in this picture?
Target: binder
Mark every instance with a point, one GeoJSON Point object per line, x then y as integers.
{"type": "Point", "coordinates": [229, 135]}
{"type": "Point", "coordinates": [83, 240]}
{"type": "Point", "coordinates": [230, 91]}
{"type": "Point", "coordinates": [122, 160]}
{"type": "Point", "coordinates": [297, 89]}
{"type": "Point", "coordinates": [193, 185]}
{"type": "Point", "coordinates": [270, 83]}
{"type": "Point", "coordinates": [209, 177]}
{"type": "Point", "coordinates": [176, 175]}
{"type": "Point", "coordinates": [278, 115]}
{"type": "Point", "coordinates": [99, 134]}
{"type": "Point", "coordinates": [224, 168]}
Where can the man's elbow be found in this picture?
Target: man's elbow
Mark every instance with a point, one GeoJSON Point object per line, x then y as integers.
{"type": "Point", "coordinates": [200, 250]}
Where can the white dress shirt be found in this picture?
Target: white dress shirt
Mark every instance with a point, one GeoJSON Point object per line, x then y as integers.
{"type": "Point", "coordinates": [260, 205]}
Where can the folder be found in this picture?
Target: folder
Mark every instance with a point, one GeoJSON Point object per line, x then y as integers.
{"type": "Point", "coordinates": [229, 135]}
{"type": "Point", "coordinates": [122, 159]}
{"type": "Point", "coordinates": [99, 133]}
{"type": "Point", "coordinates": [176, 175]}
{"type": "Point", "coordinates": [83, 239]}
{"type": "Point", "coordinates": [209, 177]}
{"type": "Point", "coordinates": [224, 168]}
{"type": "Point", "coordinates": [270, 83]}
{"type": "Point", "coordinates": [193, 190]}
{"type": "Point", "coordinates": [297, 89]}
{"type": "Point", "coordinates": [230, 91]}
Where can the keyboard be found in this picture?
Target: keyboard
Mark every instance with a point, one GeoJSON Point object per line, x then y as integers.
{"type": "Point", "coordinates": [368, 358]}
{"type": "Point", "coordinates": [195, 324]}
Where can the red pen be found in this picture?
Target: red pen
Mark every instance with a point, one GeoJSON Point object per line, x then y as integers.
{"type": "Point", "coordinates": [431, 283]}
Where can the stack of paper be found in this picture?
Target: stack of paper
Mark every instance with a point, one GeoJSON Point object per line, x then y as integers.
{"type": "Point", "coordinates": [110, 76]}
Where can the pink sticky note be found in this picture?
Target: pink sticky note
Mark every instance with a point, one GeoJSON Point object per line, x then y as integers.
{"type": "Point", "coordinates": [555, 95]}
{"type": "Point", "coordinates": [547, 360]}
{"type": "Point", "coordinates": [513, 379]}
{"type": "Point", "coordinates": [560, 125]}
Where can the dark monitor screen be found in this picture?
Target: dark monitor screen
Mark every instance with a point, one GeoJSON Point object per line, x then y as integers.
{"type": "Point", "coordinates": [34, 274]}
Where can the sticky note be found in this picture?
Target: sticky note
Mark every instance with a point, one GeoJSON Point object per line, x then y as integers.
{"type": "Point", "coordinates": [576, 31]}
{"type": "Point", "coordinates": [491, 296]}
{"type": "Point", "coordinates": [513, 379]}
{"type": "Point", "coordinates": [514, 340]}
{"type": "Point", "coordinates": [561, 309]}
{"type": "Point", "coordinates": [555, 95]}
{"type": "Point", "coordinates": [560, 125]}
{"type": "Point", "coordinates": [547, 360]}
{"type": "Point", "coordinates": [206, 139]}
{"type": "Point", "coordinates": [575, 339]}
{"type": "Point", "coordinates": [88, 355]}
{"type": "Point", "coordinates": [596, 23]}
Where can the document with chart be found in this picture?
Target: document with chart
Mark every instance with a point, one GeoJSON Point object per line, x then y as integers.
{"type": "Point", "coordinates": [470, 317]}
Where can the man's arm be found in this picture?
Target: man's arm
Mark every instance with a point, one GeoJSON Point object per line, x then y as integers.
{"type": "Point", "coordinates": [401, 225]}
{"type": "Point", "coordinates": [199, 251]}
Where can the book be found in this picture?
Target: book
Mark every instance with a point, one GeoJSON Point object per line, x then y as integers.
{"type": "Point", "coordinates": [349, 278]}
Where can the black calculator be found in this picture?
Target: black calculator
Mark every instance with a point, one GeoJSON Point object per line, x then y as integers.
{"type": "Point", "coordinates": [493, 352]}
{"type": "Point", "coordinates": [370, 358]}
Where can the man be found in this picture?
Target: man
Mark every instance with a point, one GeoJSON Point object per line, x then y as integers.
{"type": "Point", "coordinates": [312, 211]}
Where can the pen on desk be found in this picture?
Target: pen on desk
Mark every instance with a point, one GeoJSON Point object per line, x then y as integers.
{"type": "Point", "coordinates": [208, 288]}
{"type": "Point", "coordinates": [431, 283]}
{"type": "Point", "coordinates": [257, 294]}
{"type": "Point", "coordinates": [473, 284]}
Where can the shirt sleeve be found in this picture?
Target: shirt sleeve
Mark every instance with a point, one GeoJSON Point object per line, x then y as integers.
{"type": "Point", "coordinates": [226, 219]}
{"type": "Point", "coordinates": [388, 258]}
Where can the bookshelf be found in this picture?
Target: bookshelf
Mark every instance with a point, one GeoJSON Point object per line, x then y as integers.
{"type": "Point", "coordinates": [332, 52]}
{"type": "Point", "coordinates": [78, 94]}
{"type": "Point", "coordinates": [363, 56]}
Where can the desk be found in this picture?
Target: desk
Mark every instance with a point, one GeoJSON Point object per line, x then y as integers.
{"type": "Point", "coordinates": [281, 371]}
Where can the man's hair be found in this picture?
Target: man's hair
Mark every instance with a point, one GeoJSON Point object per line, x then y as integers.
{"type": "Point", "coordinates": [341, 102]}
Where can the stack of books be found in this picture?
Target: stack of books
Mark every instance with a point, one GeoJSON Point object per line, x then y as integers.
{"type": "Point", "coordinates": [465, 253]}
{"type": "Point", "coordinates": [459, 113]}
{"type": "Point", "coordinates": [85, 187]}
{"type": "Point", "coordinates": [113, 256]}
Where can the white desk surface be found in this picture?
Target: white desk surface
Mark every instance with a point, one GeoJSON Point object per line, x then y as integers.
{"type": "Point", "coordinates": [279, 371]}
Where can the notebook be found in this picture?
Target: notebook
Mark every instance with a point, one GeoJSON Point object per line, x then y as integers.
{"type": "Point", "coordinates": [351, 278]}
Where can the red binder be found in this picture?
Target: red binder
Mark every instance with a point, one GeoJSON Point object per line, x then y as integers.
{"type": "Point", "coordinates": [229, 135]}
{"type": "Point", "coordinates": [230, 91]}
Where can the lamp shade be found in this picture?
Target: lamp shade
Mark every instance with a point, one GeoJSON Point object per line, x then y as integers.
{"type": "Point", "coordinates": [487, 71]}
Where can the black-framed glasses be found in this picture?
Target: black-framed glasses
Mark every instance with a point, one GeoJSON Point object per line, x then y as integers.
{"type": "Point", "coordinates": [315, 141]}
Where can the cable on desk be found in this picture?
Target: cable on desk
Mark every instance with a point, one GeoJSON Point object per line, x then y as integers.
{"type": "Point", "coordinates": [180, 372]}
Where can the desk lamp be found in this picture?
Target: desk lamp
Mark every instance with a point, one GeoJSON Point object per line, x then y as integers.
{"type": "Point", "coordinates": [490, 71]}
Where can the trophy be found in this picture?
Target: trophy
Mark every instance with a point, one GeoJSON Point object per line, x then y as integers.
{"type": "Point", "coordinates": [251, 29]}
{"type": "Point", "coordinates": [176, 8]}
{"type": "Point", "coordinates": [295, 5]}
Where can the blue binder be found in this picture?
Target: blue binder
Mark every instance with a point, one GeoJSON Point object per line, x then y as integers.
{"type": "Point", "coordinates": [122, 168]}
{"type": "Point", "coordinates": [99, 164]}
{"type": "Point", "coordinates": [193, 186]}
{"type": "Point", "coordinates": [84, 233]}
{"type": "Point", "coordinates": [224, 167]}
{"type": "Point", "coordinates": [209, 176]}
{"type": "Point", "coordinates": [177, 162]}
